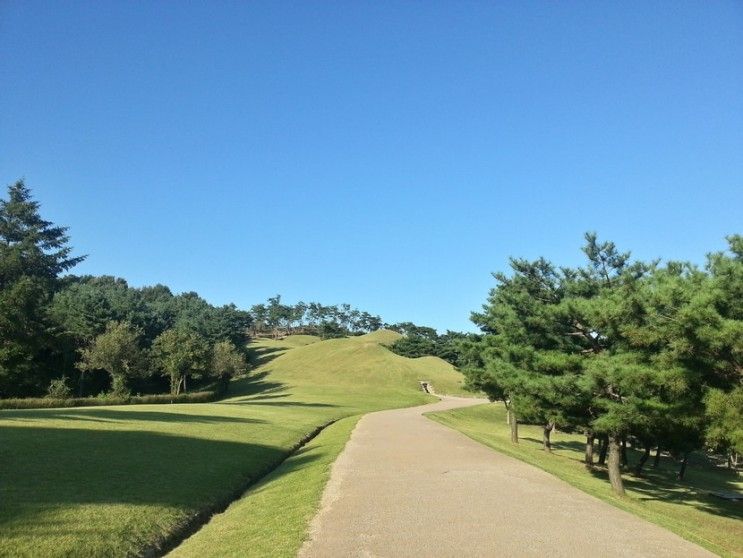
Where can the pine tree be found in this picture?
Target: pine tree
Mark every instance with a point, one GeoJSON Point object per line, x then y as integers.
{"type": "Point", "coordinates": [33, 253]}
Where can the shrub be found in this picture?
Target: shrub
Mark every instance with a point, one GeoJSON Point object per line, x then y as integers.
{"type": "Point", "coordinates": [58, 389]}
{"type": "Point", "coordinates": [108, 399]}
{"type": "Point", "coordinates": [119, 389]}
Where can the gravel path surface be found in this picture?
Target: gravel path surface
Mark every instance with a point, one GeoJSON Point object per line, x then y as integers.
{"type": "Point", "coordinates": [407, 486]}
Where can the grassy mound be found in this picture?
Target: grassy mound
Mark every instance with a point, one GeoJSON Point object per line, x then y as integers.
{"type": "Point", "coordinates": [358, 373]}
{"type": "Point", "coordinates": [120, 480]}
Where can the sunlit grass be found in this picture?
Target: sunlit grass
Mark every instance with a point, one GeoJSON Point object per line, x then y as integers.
{"type": "Point", "coordinates": [685, 508]}
{"type": "Point", "coordinates": [119, 480]}
{"type": "Point", "coordinates": [272, 518]}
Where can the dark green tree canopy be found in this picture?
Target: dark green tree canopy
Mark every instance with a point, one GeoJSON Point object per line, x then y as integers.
{"type": "Point", "coordinates": [617, 348]}
{"type": "Point", "coordinates": [33, 252]}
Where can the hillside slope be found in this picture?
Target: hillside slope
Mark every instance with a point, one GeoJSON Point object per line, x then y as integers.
{"type": "Point", "coordinates": [334, 378]}
{"type": "Point", "coordinates": [357, 372]}
{"type": "Point", "coordinates": [119, 480]}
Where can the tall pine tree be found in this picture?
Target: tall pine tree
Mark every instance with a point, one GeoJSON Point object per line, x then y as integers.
{"type": "Point", "coordinates": [33, 252]}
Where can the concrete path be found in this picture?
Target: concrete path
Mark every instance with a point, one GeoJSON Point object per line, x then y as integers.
{"type": "Point", "coordinates": [407, 486]}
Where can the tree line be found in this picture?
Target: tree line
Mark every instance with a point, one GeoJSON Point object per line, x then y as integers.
{"type": "Point", "coordinates": [419, 341]}
{"type": "Point", "coordinates": [276, 319]}
{"type": "Point", "coordinates": [82, 335]}
{"type": "Point", "coordinates": [67, 335]}
{"type": "Point", "coordinates": [626, 352]}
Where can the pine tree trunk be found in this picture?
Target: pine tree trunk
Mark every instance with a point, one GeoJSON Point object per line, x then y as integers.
{"type": "Point", "coordinates": [682, 469]}
{"type": "Point", "coordinates": [624, 453]}
{"type": "Point", "coordinates": [589, 449]}
{"type": "Point", "coordinates": [614, 465]}
{"type": "Point", "coordinates": [546, 431]}
{"type": "Point", "coordinates": [656, 459]}
{"type": "Point", "coordinates": [604, 446]}
{"type": "Point", "coordinates": [643, 460]}
{"type": "Point", "coordinates": [514, 427]}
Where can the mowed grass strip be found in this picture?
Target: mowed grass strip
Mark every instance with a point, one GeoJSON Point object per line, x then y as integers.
{"type": "Point", "coordinates": [119, 480]}
{"type": "Point", "coordinates": [684, 508]}
{"type": "Point", "coordinates": [272, 518]}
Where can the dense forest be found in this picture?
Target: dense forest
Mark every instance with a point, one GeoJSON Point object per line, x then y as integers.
{"type": "Point", "coordinates": [626, 352]}
{"type": "Point", "coordinates": [64, 335]}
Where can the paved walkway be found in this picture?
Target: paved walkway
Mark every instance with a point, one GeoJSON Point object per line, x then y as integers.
{"type": "Point", "coordinates": [407, 486]}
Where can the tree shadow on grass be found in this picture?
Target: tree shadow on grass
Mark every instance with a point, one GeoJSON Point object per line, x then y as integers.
{"type": "Point", "coordinates": [45, 469]}
{"type": "Point", "coordinates": [254, 384]}
{"type": "Point", "coordinates": [280, 403]}
{"type": "Point", "coordinates": [574, 445]}
{"type": "Point", "coordinates": [565, 445]}
{"type": "Point", "coordinates": [269, 396]}
{"type": "Point", "coordinates": [114, 415]}
{"type": "Point", "coordinates": [258, 356]}
{"type": "Point", "coordinates": [661, 485]}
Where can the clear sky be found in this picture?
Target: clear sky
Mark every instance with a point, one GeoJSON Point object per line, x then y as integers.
{"type": "Point", "coordinates": [386, 154]}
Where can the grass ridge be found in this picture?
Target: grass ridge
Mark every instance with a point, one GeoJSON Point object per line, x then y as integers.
{"type": "Point", "coordinates": [191, 526]}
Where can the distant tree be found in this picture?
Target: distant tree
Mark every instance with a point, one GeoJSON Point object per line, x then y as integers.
{"type": "Point", "coordinates": [180, 354]}
{"type": "Point", "coordinates": [193, 313]}
{"type": "Point", "coordinates": [33, 253]}
{"type": "Point", "coordinates": [59, 389]}
{"type": "Point", "coordinates": [275, 313]}
{"type": "Point", "coordinates": [259, 313]}
{"type": "Point", "coordinates": [227, 361]}
{"type": "Point", "coordinates": [414, 346]}
{"type": "Point", "coordinates": [117, 351]}
{"type": "Point", "coordinates": [299, 312]}
{"type": "Point", "coordinates": [331, 330]}
{"type": "Point", "coordinates": [368, 323]}
{"type": "Point", "coordinates": [84, 307]}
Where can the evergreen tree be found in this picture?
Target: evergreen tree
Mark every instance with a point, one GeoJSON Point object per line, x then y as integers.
{"type": "Point", "coordinates": [33, 253]}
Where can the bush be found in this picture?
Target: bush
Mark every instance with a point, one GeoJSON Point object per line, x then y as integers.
{"type": "Point", "coordinates": [108, 399]}
{"type": "Point", "coordinates": [58, 389]}
{"type": "Point", "coordinates": [119, 389]}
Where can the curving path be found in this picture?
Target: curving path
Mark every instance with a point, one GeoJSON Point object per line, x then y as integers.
{"type": "Point", "coordinates": [407, 486]}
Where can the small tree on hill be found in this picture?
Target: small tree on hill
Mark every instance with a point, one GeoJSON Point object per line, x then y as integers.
{"type": "Point", "coordinates": [227, 361]}
{"type": "Point", "coordinates": [117, 351]}
{"type": "Point", "coordinates": [180, 354]}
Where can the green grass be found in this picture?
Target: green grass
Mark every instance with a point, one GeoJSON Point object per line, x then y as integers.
{"type": "Point", "coordinates": [684, 508]}
{"type": "Point", "coordinates": [272, 518]}
{"type": "Point", "coordinates": [120, 480]}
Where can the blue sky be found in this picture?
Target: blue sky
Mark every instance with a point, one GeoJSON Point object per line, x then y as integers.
{"type": "Point", "coordinates": [386, 154]}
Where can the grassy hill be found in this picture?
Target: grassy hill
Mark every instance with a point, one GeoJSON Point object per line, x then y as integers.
{"type": "Point", "coordinates": [121, 480]}
{"type": "Point", "coordinates": [359, 373]}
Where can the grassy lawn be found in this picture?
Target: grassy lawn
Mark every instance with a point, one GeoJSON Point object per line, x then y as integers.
{"type": "Point", "coordinates": [120, 480]}
{"type": "Point", "coordinates": [684, 508]}
{"type": "Point", "coordinates": [272, 518]}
